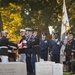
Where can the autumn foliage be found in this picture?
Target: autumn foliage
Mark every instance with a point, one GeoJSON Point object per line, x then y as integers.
{"type": "Point", "coordinates": [12, 20]}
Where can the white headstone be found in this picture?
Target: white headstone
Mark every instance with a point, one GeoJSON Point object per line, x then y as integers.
{"type": "Point", "coordinates": [58, 69]}
{"type": "Point", "coordinates": [13, 68]}
{"type": "Point", "coordinates": [41, 60]}
{"type": "Point", "coordinates": [44, 68]}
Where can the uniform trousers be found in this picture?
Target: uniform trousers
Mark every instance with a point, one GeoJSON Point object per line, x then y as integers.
{"type": "Point", "coordinates": [4, 54]}
{"type": "Point", "coordinates": [23, 57]}
{"type": "Point", "coordinates": [4, 59]}
{"type": "Point", "coordinates": [44, 56]}
{"type": "Point", "coordinates": [55, 58]}
{"type": "Point", "coordinates": [28, 61]}
{"type": "Point", "coordinates": [33, 60]}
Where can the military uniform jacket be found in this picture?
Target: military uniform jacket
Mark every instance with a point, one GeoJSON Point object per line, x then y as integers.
{"type": "Point", "coordinates": [35, 45]}
{"type": "Point", "coordinates": [28, 50]}
{"type": "Point", "coordinates": [55, 46]}
{"type": "Point", "coordinates": [4, 42]}
{"type": "Point", "coordinates": [70, 47]}
{"type": "Point", "coordinates": [22, 50]}
{"type": "Point", "coordinates": [44, 44]}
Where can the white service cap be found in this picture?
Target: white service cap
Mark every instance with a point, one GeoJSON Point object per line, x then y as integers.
{"type": "Point", "coordinates": [5, 31]}
{"type": "Point", "coordinates": [28, 29]}
{"type": "Point", "coordinates": [22, 30]}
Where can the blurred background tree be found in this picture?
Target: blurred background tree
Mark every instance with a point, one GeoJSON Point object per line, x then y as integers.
{"type": "Point", "coordinates": [37, 14]}
{"type": "Point", "coordinates": [11, 19]}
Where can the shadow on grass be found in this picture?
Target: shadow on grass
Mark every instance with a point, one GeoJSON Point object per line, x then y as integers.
{"type": "Point", "coordinates": [68, 74]}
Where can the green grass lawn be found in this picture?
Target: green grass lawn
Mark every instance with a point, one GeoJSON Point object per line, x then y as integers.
{"type": "Point", "coordinates": [68, 74]}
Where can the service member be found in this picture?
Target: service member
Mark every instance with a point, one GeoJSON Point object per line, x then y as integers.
{"type": "Point", "coordinates": [70, 51]}
{"type": "Point", "coordinates": [55, 45]}
{"type": "Point", "coordinates": [28, 50]}
{"type": "Point", "coordinates": [44, 45]}
{"type": "Point", "coordinates": [22, 46]}
{"type": "Point", "coordinates": [4, 42]}
{"type": "Point", "coordinates": [0, 38]}
{"type": "Point", "coordinates": [35, 50]}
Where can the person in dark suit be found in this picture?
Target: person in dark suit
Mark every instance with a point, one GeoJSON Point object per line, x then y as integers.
{"type": "Point", "coordinates": [55, 45]}
{"type": "Point", "coordinates": [4, 42]}
{"type": "Point", "coordinates": [44, 45]}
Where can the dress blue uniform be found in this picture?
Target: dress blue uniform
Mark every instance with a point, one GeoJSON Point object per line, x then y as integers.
{"type": "Point", "coordinates": [22, 46]}
{"type": "Point", "coordinates": [35, 51]}
{"type": "Point", "coordinates": [44, 44]}
{"type": "Point", "coordinates": [70, 54]}
{"type": "Point", "coordinates": [22, 50]}
{"type": "Point", "coordinates": [4, 42]}
{"type": "Point", "coordinates": [28, 52]}
{"type": "Point", "coordinates": [55, 46]}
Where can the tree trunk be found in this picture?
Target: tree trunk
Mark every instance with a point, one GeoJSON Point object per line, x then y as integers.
{"type": "Point", "coordinates": [1, 25]}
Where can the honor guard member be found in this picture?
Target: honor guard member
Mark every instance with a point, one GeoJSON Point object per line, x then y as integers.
{"type": "Point", "coordinates": [28, 50]}
{"type": "Point", "coordinates": [44, 45]}
{"type": "Point", "coordinates": [55, 45]}
{"type": "Point", "coordinates": [4, 42]}
{"type": "Point", "coordinates": [12, 53]}
{"type": "Point", "coordinates": [22, 46]}
{"type": "Point", "coordinates": [35, 50]}
{"type": "Point", "coordinates": [70, 52]}
{"type": "Point", "coordinates": [26, 32]}
{"type": "Point", "coordinates": [0, 38]}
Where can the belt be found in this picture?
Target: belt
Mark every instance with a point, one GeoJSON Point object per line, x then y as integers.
{"type": "Point", "coordinates": [3, 47]}
{"type": "Point", "coordinates": [35, 45]}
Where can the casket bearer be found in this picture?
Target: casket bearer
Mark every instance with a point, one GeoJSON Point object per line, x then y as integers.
{"type": "Point", "coordinates": [28, 50]}
{"type": "Point", "coordinates": [4, 42]}
{"type": "Point", "coordinates": [22, 46]}
{"type": "Point", "coordinates": [35, 50]}
{"type": "Point", "coordinates": [12, 53]}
